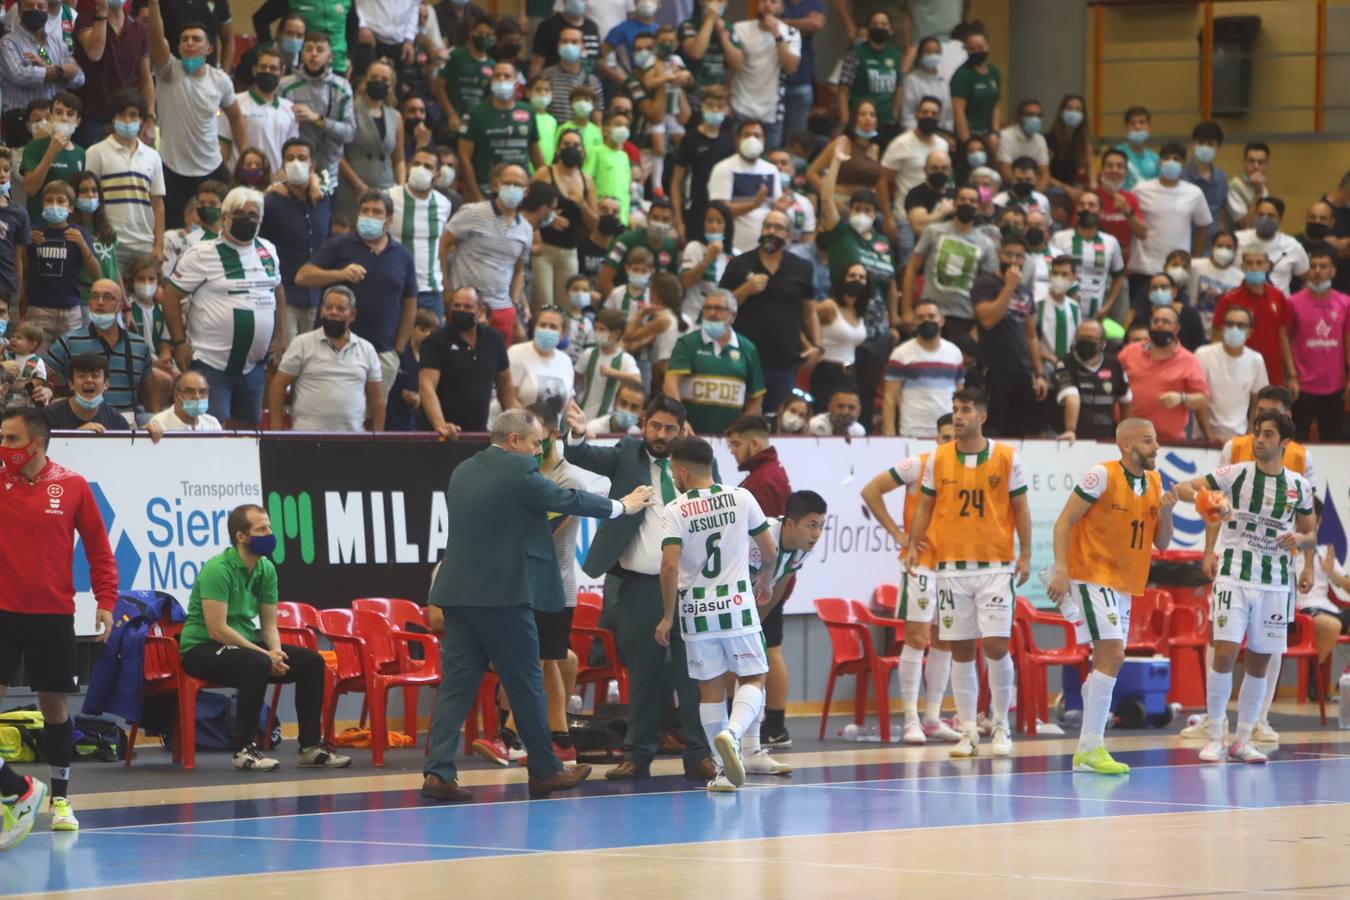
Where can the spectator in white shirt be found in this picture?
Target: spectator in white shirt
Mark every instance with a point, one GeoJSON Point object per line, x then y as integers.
{"type": "Point", "coordinates": [387, 28]}
{"type": "Point", "coordinates": [1235, 372]}
{"type": "Point", "coordinates": [772, 49]}
{"type": "Point", "coordinates": [1024, 138]}
{"type": "Point", "coordinates": [1176, 215]}
{"type": "Point", "coordinates": [1021, 191]}
{"type": "Point", "coordinates": [748, 184]}
{"type": "Point", "coordinates": [133, 174]}
{"type": "Point", "coordinates": [840, 418]}
{"type": "Point", "coordinates": [925, 80]}
{"type": "Point", "coordinates": [336, 374]}
{"type": "Point", "coordinates": [902, 167]}
{"type": "Point", "coordinates": [629, 403]}
{"type": "Point", "coordinates": [1287, 256]}
{"type": "Point", "coordinates": [269, 120]}
{"type": "Point", "coordinates": [188, 413]}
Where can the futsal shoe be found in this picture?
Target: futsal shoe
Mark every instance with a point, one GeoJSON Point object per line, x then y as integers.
{"type": "Point", "coordinates": [762, 763]}
{"type": "Point", "coordinates": [1264, 734]}
{"type": "Point", "coordinates": [322, 756]}
{"type": "Point", "coordinates": [251, 759]}
{"type": "Point", "coordinates": [775, 740]}
{"type": "Point", "coordinates": [1200, 730]}
{"type": "Point", "coordinates": [1212, 751]}
{"type": "Point", "coordinates": [1099, 761]}
{"type": "Point", "coordinates": [729, 750]}
{"type": "Point", "coordinates": [914, 734]}
{"type": "Point", "coordinates": [721, 785]}
{"type": "Point", "coordinates": [17, 816]}
{"type": "Point", "coordinates": [568, 755]}
{"type": "Point", "coordinates": [968, 746]}
{"type": "Point", "coordinates": [63, 817]}
{"type": "Point", "coordinates": [938, 730]}
{"type": "Point", "coordinates": [1001, 742]}
{"type": "Point", "coordinates": [491, 749]}
{"type": "Point", "coordinates": [1244, 751]}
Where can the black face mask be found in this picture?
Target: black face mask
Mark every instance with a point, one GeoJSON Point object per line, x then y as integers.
{"type": "Point", "coordinates": [462, 320]}
{"type": "Point", "coordinates": [1035, 236]}
{"type": "Point", "coordinates": [507, 51]}
{"type": "Point", "coordinates": [772, 243]}
{"type": "Point", "coordinates": [243, 229]}
{"type": "Point", "coordinates": [1009, 230]}
{"type": "Point", "coordinates": [266, 81]}
{"type": "Point", "coordinates": [978, 58]}
{"type": "Point", "coordinates": [411, 124]}
{"type": "Point", "coordinates": [928, 330]}
{"type": "Point", "coordinates": [1022, 189]}
{"type": "Point", "coordinates": [878, 35]}
{"type": "Point", "coordinates": [855, 289]}
{"type": "Point", "coordinates": [377, 90]}
{"type": "Point", "coordinates": [1088, 219]}
{"type": "Point", "coordinates": [937, 180]}
{"type": "Point", "coordinates": [1085, 350]}
{"type": "Point", "coordinates": [926, 125]}
{"type": "Point", "coordinates": [1161, 338]}
{"type": "Point", "coordinates": [1316, 230]}
{"type": "Point", "coordinates": [333, 328]}
{"type": "Point", "coordinates": [965, 213]}
{"type": "Point", "coordinates": [33, 19]}
{"type": "Point", "coordinates": [571, 157]}
{"type": "Point", "coordinates": [610, 225]}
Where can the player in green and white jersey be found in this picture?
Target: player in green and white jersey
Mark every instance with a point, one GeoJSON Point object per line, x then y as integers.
{"type": "Point", "coordinates": [705, 566]}
{"type": "Point", "coordinates": [1269, 514]}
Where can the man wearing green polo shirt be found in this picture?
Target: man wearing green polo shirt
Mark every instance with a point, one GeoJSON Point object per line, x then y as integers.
{"type": "Point", "coordinates": [498, 130]}
{"type": "Point", "coordinates": [715, 372]}
{"type": "Point", "coordinates": [221, 644]}
{"type": "Point", "coordinates": [463, 80]}
{"type": "Point", "coordinates": [871, 72]}
{"type": "Point", "coordinates": [656, 237]}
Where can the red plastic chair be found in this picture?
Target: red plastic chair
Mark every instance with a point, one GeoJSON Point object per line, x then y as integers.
{"type": "Point", "coordinates": [400, 614]}
{"type": "Point", "coordinates": [163, 674]}
{"type": "Point", "coordinates": [1036, 660]}
{"type": "Point", "coordinates": [895, 626]}
{"type": "Point", "coordinates": [483, 714]}
{"type": "Point", "coordinates": [350, 678]}
{"type": "Point", "coordinates": [1149, 616]}
{"type": "Point", "coordinates": [385, 652]}
{"type": "Point", "coordinates": [853, 655]}
{"type": "Point", "coordinates": [1302, 647]}
{"type": "Point", "coordinates": [886, 598]}
{"type": "Point", "coordinates": [585, 629]}
{"type": "Point", "coordinates": [1187, 638]}
{"type": "Point", "coordinates": [298, 624]}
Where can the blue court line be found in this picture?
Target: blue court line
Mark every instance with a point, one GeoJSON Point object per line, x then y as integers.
{"type": "Point", "coordinates": [152, 853]}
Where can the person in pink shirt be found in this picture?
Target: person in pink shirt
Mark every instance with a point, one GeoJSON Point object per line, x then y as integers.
{"type": "Point", "coordinates": [1316, 339]}
{"type": "Point", "coordinates": [1166, 380]}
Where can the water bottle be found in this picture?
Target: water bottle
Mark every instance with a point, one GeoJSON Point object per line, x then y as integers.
{"type": "Point", "coordinates": [1345, 699]}
{"type": "Point", "coordinates": [612, 693]}
{"type": "Point", "coordinates": [574, 704]}
{"type": "Point", "coordinates": [1069, 607]}
{"type": "Point", "coordinates": [849, 732]}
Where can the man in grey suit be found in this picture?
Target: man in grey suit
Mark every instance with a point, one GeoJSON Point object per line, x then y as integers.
{"type": "Point", "coordinates": [628, 553]}
{"type": "Point", "coordinates": [500, 567]}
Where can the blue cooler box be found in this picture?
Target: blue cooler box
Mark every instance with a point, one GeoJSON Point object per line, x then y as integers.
{"type": "Point", "coordinates": [1144, 679]}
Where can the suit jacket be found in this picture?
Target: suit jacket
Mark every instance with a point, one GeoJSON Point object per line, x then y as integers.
{"type": "Point", "coordinates": [627, 465]}
{"type": "Point", "coordinates": [500, 546]}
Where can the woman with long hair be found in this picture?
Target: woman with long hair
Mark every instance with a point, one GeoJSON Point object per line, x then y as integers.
{"type": "Point", "coordinates": [703, 262]}
{"type": "Point", "coordinates": [1072, 165]}
{"type": "Point", "coordinates": [252, 170]}
{"type": "Point", "coordinates": [374, 157]}
{"type": "Point", "coordinates": [555, 256]}
{"type": "Point", "coordinates": [842, 330]}
{"type": "Point", "coordinates": [862, 168]}
{"type": "Point", "coordinates": [90, 214]}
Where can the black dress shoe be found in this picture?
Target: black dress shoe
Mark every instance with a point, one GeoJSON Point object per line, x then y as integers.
{"type": "Point", "coordinates": [628, 771]}
{"type": "Point", "coordinates": [704, 770]}
{"type": "Point", "coordinates": [434, 787]}
{"type": "Point", "coordinates": [560, 781]}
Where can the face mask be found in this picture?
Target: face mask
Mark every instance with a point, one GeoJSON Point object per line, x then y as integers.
{"type": "Point", "coordinates": [574, 8]}
{"type": "Point", "coordinates": [1088, 220]}
{"type": "Point", "coordinates": [713, 237]}
{"type": "Point", "coordinates": [572, 157]}
{"type": "Point", "coordinates": [1022, 189]}
{"type": "Point", "coordinates": [1234, 337]}
{"type": "Point", "coordinates": [647, 8]}
{"type": "Point", "coordinates": [978, 57]}
{"type": "Point", "coordinates": [462, 320]}
{"type": "Point", "coordinates": [714, 330]}
{"type": "Point", "coordinates": [545, 449]}
{"type": "Point", "coordinates": [793, 422]}
{"type": "Point", "coordinates": [510, 195]}
{"type": "Point", "coordinates": [419, 178]}
{"type": "Point", "coordinates": [4, 189]}
{"type": "Point", "coordinates": [145, 291]}
{"type": "Point", "coordinates": [965, 213]}
{"type": "Point", "coordinates": [127, 129]}
{"type": "Point", "coordinates": [445, 178]}
{"type": "Point", "coordinates": [1178, 274]}
{"type": "Point", "coordinates": [412, 124]}
{"type": "Point", "coordinates": [1170, 170]}
{"type": "Point", "coordinates": [928, 330]}
{"type": "Point", "coordinates": [580, 299]}
{"type": "Point", "coordinates": [546, 340]}
{"type": "Point", "coordinates": [1316, 230]}
{"type": "Point", "coordinates": [63, 129]}
{"type": "Point", "coordinates": [928, 125]}
{"type": "Point", "coordinates": [855, 289]}
{"type": "Point", "coordinates": [644, 58]}
{"type": "Point", "coordinates": [1085, 350]}
{"type": "Point", "coordinates": [192, 63]}
{"type": "Point", "coordinates": [658, 230]}
{"type": "Point", "coordinates": [243, 229]}
{"type": "Point", "coordinates": [582, 108]}
{"type": "Point", "coordinates": [540, 101]}
{"type": "Point", "coordinates": [986, 196]}
{"type": "Point", "coordinates": [619, 134]}
{"type": "Point", "coordinates": [209, 215]}
{"type": "Point", "coordinates": [1160, 297]}
{"type": "Point", "coordinates": [262, 544]}
{"type": "Point", "coordinates": [377, 90]}
{"type": "Point", "coordinates": [714, 118]}
{"type": "Point", "coordinates": [1205, 153]}
{"type": "Point", "coordinates": [603, 338]}
{"type": "Point", "coordinates": [1161, 338]}
{"type": "Point", "coordinates": [639, 279]}
{"type": "Point", "coordinates": [55, 215]}
{"type": "Point", "coordinates": [548, 219]}
{"type": "Point", "coordinates": [18, 457]}
{"type": "Point", "coordinates": [86, 204]}
{"type": "Point", "coordinates": [89, 402]}
{"type": "Point", "coordinates": [266, 81]}
{"type": "Point", "coordinates": [482, 42]}
{"type": "Point", "coordinates": [195, 408]}
{"type": "Point", "coordinates": [977, 158]}
{"type": "Point", "coordinates": [865, 134]}
{"type": "Point", "coordinates": [1060, 284]}
{"type": "Point", "coordinates": [40, 129]}
{"type": "Point", "coordinates": [503, 90]}
{"type": "Point", "coordinates": [609, 225]}
{"type": "Point", "coordinates": [251, 176]}
{"type": "Point", "coordinates": [1138, 136]}
{"type": "Point", "coordinates": [369, 228]}
{"type": "Point", "coordinates": [292, 46]}
{"type": "Point", "coordinates": [297, 172]}
{"type": "Point", "coordinates": [33, 19]}
{"type": "Point", "coordinates": [1254, 279]}
{"type": "Point", "coordinates": [878, 35]}
{"type": "Point", "coordinates": [507, 50]}
{"type": "Point", "coordinates": [1320, 287]}
{"type": "Point", "coordinates": [1112, 184]}
{"type": "Point", "coordinates": [1035, 236]}
{"type": "Point", "coordinates": [569, 53]}
{"type": "Point", "coordinates": [930, 61]}
{"type": "Point", "coordinates": [333, 328]}
{"type": "Point", "coordinates": [785, 181]}
{"type": "Point", "coordinates": [752, 147]}
{"type": "Point", "coordinates": [937, 180]}
{"type": "Point", "coordinates": [1072, 117]}
{"type": "Point", "coordinates": [1222, 256]}
{"type": "Point", "coordinates": [772, 243]}
{"type": "Point", "coordinates": [103, 321]}
{"type": "Point", "coordinates": [1266, 226]}
{"type": "Point", "coordinates": [861, 222]}
{"type": "Point", "coordinates": [1031, 124]}
{"type": "Point", "coordinates": [624, 419]}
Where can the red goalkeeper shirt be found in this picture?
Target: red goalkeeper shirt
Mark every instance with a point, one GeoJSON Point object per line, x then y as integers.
{"type": "Point", "coordinates": [38, 522]}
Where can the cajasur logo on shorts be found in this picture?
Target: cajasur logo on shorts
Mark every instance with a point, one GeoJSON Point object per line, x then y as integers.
{"type": "Point", "coordinates": [293, 519]}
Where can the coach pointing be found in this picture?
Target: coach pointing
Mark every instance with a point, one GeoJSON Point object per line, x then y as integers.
{"type": "Point", "coordinates": [499, 567]}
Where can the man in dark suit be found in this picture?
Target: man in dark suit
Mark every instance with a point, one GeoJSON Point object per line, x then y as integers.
{"type": "Point", "coordinates": [628, 553]}
{"type": "Point", "coordinates": [500, 567]}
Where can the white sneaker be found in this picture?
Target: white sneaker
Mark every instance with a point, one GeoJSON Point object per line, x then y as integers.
{"type": "Point", "coordinates": [1212, 752]}
{"type": "Point", "coordinates": [764, 764]}
{"type": "Point", "coordinates": [940, 731]}
{"type": "Point", "coordinates": [1200, 730]}
{"type": "Point", "coordinates": [728, 748]}
{"type": "Point", "coordinates": [251, 759]}
{"type": "Point", "coordinates": [1264, 734]}
{"type": "Point", "coordinates": [1245, 752]}
{"type": "Point", "coordinates": [1001, 743]}
{"type": "Point", "coordinates": [720, 785]}
{"type": "Point", "coordinates": [16, 819]}
{"type": "Point", "coordinates": [914, 734]}
{"type": "Point", "coordinates": [968, 746]}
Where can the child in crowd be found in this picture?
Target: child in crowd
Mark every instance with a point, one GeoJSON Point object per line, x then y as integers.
{"type": "Point", "coordinates": [578, 328]}
{"type": "Point", "coordinates": [23, 363]}
{"type": "Point", "coordinates": [632, 297]}
{"type": "Point", "coordinates": [605, 366]}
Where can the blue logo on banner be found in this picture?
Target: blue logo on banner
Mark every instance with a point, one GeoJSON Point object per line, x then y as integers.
{"type": "Point", "coordinates": [128, 558]}
{"type": "Point", "coordinates": [1189, 530]}
{"type": "Point", "coordinates": [584, 539]}
{"type": "Point", "coordinates": [1332, 531]}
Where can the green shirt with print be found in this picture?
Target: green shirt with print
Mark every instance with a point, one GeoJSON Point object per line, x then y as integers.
{"type": "Point", "coordinates": [466, 79]}
{"type": "Point", "coordinates": [874, 75]}
{"type": "Point", "coordinates": [224, 577]}
{"type": "Point", "coordinates": [665, 257]}
{"type": "Point", "coordinates": [106, 254]}
{"type": "Point", "coordinates": [712, 68]}
{"type": "Point", "coordinates": [716, 381]}
{"type": "Point", "coordinates": [66, 163]}
{"type": "Point", "coordinates": [499, 136]}
{"type": "Point", "coordinates": [981, 91]}
{"type": "Point", "coordinates": [844, 247]}
{"type": "Point", "coordinates": [638, 134]}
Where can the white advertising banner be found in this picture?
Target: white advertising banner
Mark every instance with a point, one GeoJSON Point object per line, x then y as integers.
{"type": "Point", "coordinates": [164, 506]}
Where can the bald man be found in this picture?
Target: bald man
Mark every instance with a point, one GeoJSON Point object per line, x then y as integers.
{"type": "Point", "coordinates": [932, 199]}
{"type": "Point", "coordinates": [1103, 543]}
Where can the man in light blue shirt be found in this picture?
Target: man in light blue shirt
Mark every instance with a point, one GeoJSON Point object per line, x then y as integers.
{"type": "Point", "coordinates": [34, 65]}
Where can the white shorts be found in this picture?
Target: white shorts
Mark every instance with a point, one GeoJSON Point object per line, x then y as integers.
{"type": "Point", "coordinates": [1262, 616]}
{"type": "Point", "coordinates": [1104, 614]}
{"type": "Point", "coordinates": [975, 606]}
{"type": "Point", "coordinates": [740, 654]}
{"type": "Point", "coordinates": [918, 596]}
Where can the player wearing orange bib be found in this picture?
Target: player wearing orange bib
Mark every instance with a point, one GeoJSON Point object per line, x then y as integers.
{"type": "Point", "coordinates": [918, 600]}
{"type": "Point", "coordinates": [974, 496]}
{"type": "Point", "coordinates": [1104, 542]}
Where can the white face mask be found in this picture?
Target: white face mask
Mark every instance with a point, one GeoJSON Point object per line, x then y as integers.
{"type": "Point", "coordinates": [445, 178]}
{"type": "Point", "coordinates": [861, 222]}
{"type": "Point", "coordinates": [752, 148]}
{"type": "Point", "coordinates": [145, 291]}
{"type": "Point", "coordinates": [793, 422]}
{"type": "Point", "coordinates": [1179, 275]}
{"type": "Point", "coordinates": [1222, 256]}
{"type": "Point", "coordinates": [419, 178]}
{"type": "Point", "coordinates": [64, 129]}
{"type": "Point", "coordinates": [297, 172]}
{"type": "Point", "coordinates": [1060, 284]}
